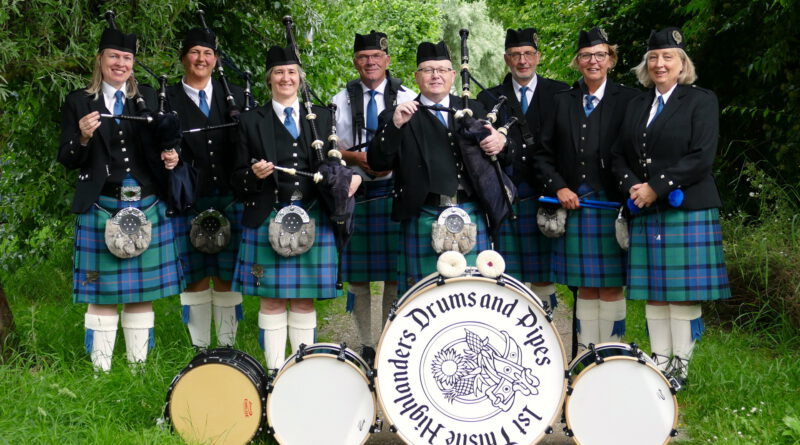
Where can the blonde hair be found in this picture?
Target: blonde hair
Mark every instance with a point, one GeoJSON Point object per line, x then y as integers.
{"type": "Point", "coordinates": [687, 76]}
{"type": "Point", "coordinates": [96, 85]}
{"type": "Point", "coordinates": [612, 52]}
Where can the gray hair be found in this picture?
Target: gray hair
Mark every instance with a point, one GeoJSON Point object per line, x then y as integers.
{"type": "Point", "coordinates": [299, 70]}
{"type": "Point", "coordinates": [96, 85]}
{"type": "Point", "coordinates": [687, 76]}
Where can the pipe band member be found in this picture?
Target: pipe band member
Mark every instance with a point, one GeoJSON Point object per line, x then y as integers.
{"type": "Point", "coordinates": [200, 102]}
{"type": "Point", "coordinates": [668, 142]}
{"type": "Point", "coordinates": [574, 159]}
{"type": "Point", "coordinates": [530, 100]}
{"type": "Point", "coordinates": [371, 254]}
{"type": "Point", "coordinates": [421, 148]}
{"type": "Point", "coordinates": [122, 172]}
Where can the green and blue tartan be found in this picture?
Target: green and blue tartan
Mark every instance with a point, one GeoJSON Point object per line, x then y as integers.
{"type": "Point", "coordinates": [521, 243]}
{"type": "Point", "coordinates": [588, 254]}
{"type": "Point", "coordinates": [417, 259]}
{"type": "Point", "coordinates": [371, 254]}
{"type": "Point", "coordinates": [99, 277]}
{"type": "Point", "coordinates": [676, 255]}
{"type": "Point", "coordinates": [198, 265]}
{"type": "Point", "coordinates": [310, 275]}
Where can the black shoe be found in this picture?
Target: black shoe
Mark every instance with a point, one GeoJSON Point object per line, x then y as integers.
{"type": "Point", "coordinates": [368, 354]}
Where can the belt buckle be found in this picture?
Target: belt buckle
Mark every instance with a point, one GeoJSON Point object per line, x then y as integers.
{"type": "Point", "coordinates": [130, 193]}
{"type": "Point", "coordinates": [448, 201]}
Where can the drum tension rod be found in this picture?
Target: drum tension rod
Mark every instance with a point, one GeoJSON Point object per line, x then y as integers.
{"type": "Point", "coordinates": [393, 311]}
{"type": "Point", "coordinates": [597, 359]}
{"type": "Point", "coordinates": [549, 430]}
{"type": "Point", "coordinates": [673, 432]}
{"type": "Point", "coordinates": [568, 432]}
{"type": "Point", "coordinates": [440, 280]}
{"type": "Point", "coordinates": [301, 352]}
{"type": "Point", "coordinates": [376, 427]}
{"type": "Point", "coordinates": [342, 351]}
{"type": "Point", "coordinates": [392, 428]}
{"type": "Point", "coordinates": [501, 281]}
{"type": "Point", "coordinates": [639, 353]}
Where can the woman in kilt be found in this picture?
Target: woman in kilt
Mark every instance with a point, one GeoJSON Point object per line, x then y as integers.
{"type": "Point", "coordinates": [573, 162]}
{"type": "Point", "coordinates": [121, 177]}
{"type": "Point", "coordinates": [664, 161]}
{"type": "Point", "coordinates": [200, 102]}
{"type": "Point", "coordinates": [278, 134]}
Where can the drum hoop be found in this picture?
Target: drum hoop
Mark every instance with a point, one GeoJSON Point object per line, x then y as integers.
{"type": "Point", "coordinates": [628, 358]}
{"type": "Point", "coordinates": [409, 297]}
{"type": "Point", "coordinates": [291, 362]}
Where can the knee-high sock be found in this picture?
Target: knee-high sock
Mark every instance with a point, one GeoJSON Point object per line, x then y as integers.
{"type": "Point", "coordinates": [362, 312]}
{"type": "Point", "coordinates": [272, 338]}
{"type": "Point", "coordinates": [302, 328]}
{"type": "Point", "coordinates": [686, 324]}
{"type": "Point", "coordinates": [611, 320]}
{"type": "Point", "coordinates": [227, 313]}
{"type": "Point", "coordinates": [101, 334]}
{"type": "Point", "coordinates": [658, 326]}
{"type": "Point", "coordinates": [196, 308]}
{"type": "Point", "coordinates": [588, 325]}
{"type": "Point", "coordinates": [389, 297]}
{"type": "Point", "coordinates": [138, 330]}
{"type": "Point", "coordinates": [546, 293]}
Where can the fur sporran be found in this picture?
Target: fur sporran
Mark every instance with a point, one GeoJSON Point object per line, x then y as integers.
{"type": "Point", "coordinates": [210, 232]}
{"type": "Point", "coordinates": [292, 231]}
{"type": "Point", "coordinates": [128, 233]}
{"type": "Point", "coordinates": [454, 231]}
{"type": "Point", "coordinates": [621, 231]}
{"type": "Point", "coordinates": [552, 222]}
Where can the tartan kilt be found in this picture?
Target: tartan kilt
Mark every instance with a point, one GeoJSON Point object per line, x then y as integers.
{"type": "Point", "coordinates": [371, 254]}
{"type": "Point", "coordinates": [99, 277]}
{"type": "Point", "coordinates": [677, 255]}
{"type": "Point", "coordinates": [310, 275]}
{"type": "Point", "coordinates": [198, 265]}
{"type": "Point", "coordinates": [588, 254]}
{"type": "Point", "coordinates": [524, 248]}
{"type": "Point", "coordinates": [417, 259]}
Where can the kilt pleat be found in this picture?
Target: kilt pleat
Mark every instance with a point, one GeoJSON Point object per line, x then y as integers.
{"type": "Point", "coordinates": [371, 254]}
{"type": "Point", "coordinates": [101, 278]}
{"type": "Point", "coordinates": [417, 259]}
{"type": "Point", "coordinates": [524, 248]}
{"type": "Point", "coordinates": [261, 272]}
{"type": "Point", "coordinates": [588, 254]}
{"type": "Point", "coordinates": [198, 265]}
{"type": "Point", "coordinates": [677, 255]}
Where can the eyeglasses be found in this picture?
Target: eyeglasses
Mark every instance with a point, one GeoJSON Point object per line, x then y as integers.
{"type": "Point", "coordinates": [363, 58]}
{"type": "Point", "coordinates": [528, 55]}
{"type": "Point", "coordinates": [599, 56]}
{"type": "Point", "coordinates": [429, 71]}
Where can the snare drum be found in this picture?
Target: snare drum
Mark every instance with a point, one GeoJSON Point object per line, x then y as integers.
{"type": "Point", "coordinates": [618, 396]}
{"type": "Point", "coordinates": [322, 395]}
{"type": "Point", "coordinates": [218, 398]}
{"type": "Point", "coordinates": [470, 359]}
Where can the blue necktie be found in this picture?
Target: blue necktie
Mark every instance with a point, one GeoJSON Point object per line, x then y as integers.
{"type": "Point", "coordinates": [203, 103]}
{"type": "Point", "coordinates": [589, 107]}
{"type": "Point", "coordinates": [289, 122]}
{"type": "Point", "coordinates": [372, 115]}
{"type": "Point", "coordinates": [441, 118]}
{"type": "Point", "coordinates": [119, 104]}
{"type": "Point", "coordinates": [659, 109]}
{"type": "Point", "coordinates": [523, 99]}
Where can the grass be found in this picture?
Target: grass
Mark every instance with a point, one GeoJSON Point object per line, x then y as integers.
{"type": "Point", "coordinates": [745, 387]}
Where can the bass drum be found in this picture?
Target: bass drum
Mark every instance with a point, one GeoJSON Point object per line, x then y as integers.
{"type": "Point", "coordinates": [618, 396]}
{"type": "Point", "coordinates": [470, 359]}
{"type": "Point", "coordinates": [322, 395]}
{"type": "Point", "coordinates": [218, 398]}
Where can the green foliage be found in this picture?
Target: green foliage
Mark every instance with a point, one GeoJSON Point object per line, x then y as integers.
{"type": "Point", "coordinates": [485, 41]}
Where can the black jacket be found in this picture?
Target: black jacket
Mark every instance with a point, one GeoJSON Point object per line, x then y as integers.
{"type": "Point", "coordinates": [676, 151]}
{"type": "Point", "coordinates": [557, 158]}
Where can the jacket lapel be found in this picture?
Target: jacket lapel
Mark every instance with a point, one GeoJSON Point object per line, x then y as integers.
{"type": "Point", "coordinates": [670, 108]}
{"type": "Point", "coordinates": [106, 124]}
{"type": "Point", "coordinates": [575, 118]}
{"type": "Point", "coordinates": [266, 133]}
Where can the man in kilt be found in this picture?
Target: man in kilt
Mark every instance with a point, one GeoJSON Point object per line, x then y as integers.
{"type": "Point", "coordinates": [371, 254]}
{"type": "Point", "coordinates": [122, 166]}
{"type": "Point", "coordinates": [664, 161]}
{"type": "Point", "coordinates": [530, 100]}
{"type": "Point", "coordinates": [271, 263]}
{"type": "Point", "coordinates": [574, 159]}
{"type": "Point", "coordinates": [421, 147]}
{"type": "Point", "coordinates": [200, 102]}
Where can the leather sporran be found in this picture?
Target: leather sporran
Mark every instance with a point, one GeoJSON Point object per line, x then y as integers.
{"type": "Point", "coordinates": [210, 232]}
{"type": "Point", "coordinates": [552, 222]}
{"type": "Point", "coordinates": [621, 231]}
{"type": "Point", "coordinates": [292, 231]}
{"type": "Point", "coordinates": [454, 231]}
{"type": "Point", "coordinates": [128, 233]}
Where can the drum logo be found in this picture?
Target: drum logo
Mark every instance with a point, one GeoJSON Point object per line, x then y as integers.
{"type": "Point", "coordinates": [248, 407]}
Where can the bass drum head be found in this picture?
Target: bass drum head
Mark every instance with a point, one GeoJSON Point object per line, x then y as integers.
{"type": "Point", "coordinates": [322, 400]}
{"type": "Point", "coordinates": [470, 361]}
{"type": "Point", "coordinates": [218, 398]}
{"type": "Point", "coordinates": [619, 401]}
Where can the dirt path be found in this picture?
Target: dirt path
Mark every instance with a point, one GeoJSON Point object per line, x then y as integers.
{"type": "Point", "coordinates": [341, 328]}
